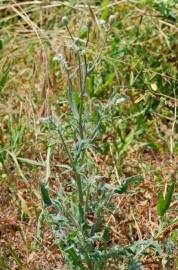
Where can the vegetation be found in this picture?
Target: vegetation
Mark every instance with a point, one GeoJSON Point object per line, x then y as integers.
{"type": "Point", "coordinates": [88, 115]}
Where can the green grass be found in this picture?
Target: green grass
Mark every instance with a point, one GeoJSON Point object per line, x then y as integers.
{"type": "Point", "coordinates": [88, 142]}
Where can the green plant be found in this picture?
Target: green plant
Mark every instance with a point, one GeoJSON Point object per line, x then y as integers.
{"type": "Point", "coordinates": [79, 218]}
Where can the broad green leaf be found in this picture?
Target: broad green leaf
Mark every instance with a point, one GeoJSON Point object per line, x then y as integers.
{"type": "Point", "coordinates": [169, 195]}
{"type": "Point", "coordinates": [164, 203]}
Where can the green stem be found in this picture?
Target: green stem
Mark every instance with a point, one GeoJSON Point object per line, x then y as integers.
{"type": "Point", "coordinates": [81, 98]}
{"type": "Point", "coordinates": [79, 185]}
{"type": "Point", "coordinates": [76, 174]}
{"type": "Point", "coordinates": [82, 90]}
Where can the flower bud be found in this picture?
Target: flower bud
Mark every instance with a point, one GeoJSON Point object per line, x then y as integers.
{"type": "Point", "coordinates": [101, 22]}
{"type": "Point", "coordinates": [112, 19]}
{"type": "Point", "coordinates": [89, 24]}
{"type": "Point", "coordinates": [77, 41]}
{"type": "Point", "coordinates": [65, 20]}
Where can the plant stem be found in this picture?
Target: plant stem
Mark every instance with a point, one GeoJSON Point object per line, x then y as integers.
{"type": "Point", "coordinates": [82, 90]}
{"type": "Point", "coordinates": [81, 99]}
{"type": "Point", "coordinates": [76, 174]}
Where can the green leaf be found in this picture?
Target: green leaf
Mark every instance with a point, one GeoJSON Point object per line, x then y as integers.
{"type": "Point", "coordinates": [107, 85]}
{"type": "Point", "coordinates": [91, 85]}
{"type": "Point", "coordinates": [131, 78]}
{"type": "Point", "coordinates": [1, 44]}
{"type": "Point", "coordinates": [72, 99]}
{"type": "Point", "coordinates": [105, 3]}
{"type": "Point", "coordinates": [45, 196]}
{"type": "Point", "coordinates": [73, 2]}
{"type": "Point", "coordinates": [161, 204]}
{"type": "Point", "coordinates": [164, 203]}
{"type": "Point", "coordinates": [106, 236]}
{"type": "Point", "coordinates": [39, 229]}
{"type": "Point", "coordinates": [73, 256]}
{"type": "Point", "coordinates": [169, 195]}
{"type": "Point", "coordinates": [4, 263]}
{"type": "Point", "coordinates": [128, 141]}
{"type": "Point", "coordinates": [4, 78]}
{"type": "Point", "coordinates": [135, 265]}
{"type": "Point", "coordinates": [31, 162]}
{"type": "Point", "coordinates": [131, 180]}
{"type": "Point", "coordinates": [16, 258]}
{"type": "Point", "coordinates": [84, 31]}
{"type": "Point", "coordinates": [145, 244]}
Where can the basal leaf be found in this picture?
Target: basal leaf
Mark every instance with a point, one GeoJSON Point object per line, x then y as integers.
{"type": "Point", "coordinates": [169, 195]}
{"type": "Point", "coordinates": [161, 204]}
{"type": "Point", "coordinates": [164, 203]}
